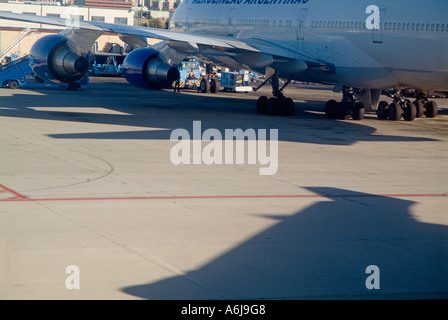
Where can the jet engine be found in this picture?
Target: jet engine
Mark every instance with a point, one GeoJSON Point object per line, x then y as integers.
{"type": "Point", "coordinates": [144, 68]}
{"type": "Point", "coordinates": [52, 59]}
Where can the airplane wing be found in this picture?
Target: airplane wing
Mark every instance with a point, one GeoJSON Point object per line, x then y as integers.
{"type": "Point", "coordinates": [181, 41]}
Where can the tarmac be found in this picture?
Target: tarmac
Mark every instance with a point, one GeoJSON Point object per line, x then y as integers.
{"type": "Point", "coordinates": [93, 207]}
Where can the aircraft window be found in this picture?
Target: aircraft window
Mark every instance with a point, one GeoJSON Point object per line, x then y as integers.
{"type": "Point", "coordinates": [395, 26]}
{"type": "Point", "coordinates": [432, 27]}
{"type": "Point", "coordinates": [442, 27]}
{"type": "Point", "coordinates": [353, 24]}
{"type": "Point", "coordinates": [437, 27]}
{"type": "Point", "coordinates": [413, 27]}
{"type": "Point", "coordinates": [398, 26]}
{"type": "Point", "coordinates": [356, 25]}
{"type": "Point", "coordinates": [417, 27]}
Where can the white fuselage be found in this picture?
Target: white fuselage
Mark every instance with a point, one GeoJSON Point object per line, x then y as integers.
{"type": "Point", "coordinates": [410, 50]}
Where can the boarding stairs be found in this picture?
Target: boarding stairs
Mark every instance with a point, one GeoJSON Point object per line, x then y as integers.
{"type": "Point", "coordinates": [22, 35]}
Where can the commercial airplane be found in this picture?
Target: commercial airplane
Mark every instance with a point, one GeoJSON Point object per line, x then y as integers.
{"type": "Point", "coordinates": [363, 47]}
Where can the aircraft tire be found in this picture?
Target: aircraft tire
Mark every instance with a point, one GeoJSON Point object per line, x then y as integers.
{"type": "Point", "coordinates": [288, 107]}
{"type": "Point", "coordinates": [409, 111]}
{"type": "Point", "coordinates": [358, 111]}
{"type": "Point", "coordinates": [395, 111]}
{"type": "Point", "coordinates": [343, 111]}
{"type": "Point", "coordinates": [431, 109]}
{"type": "Point", "coordinates": [274, 107]}
{"type": "Point", "coordinates": [382, 112]}
{"type": "Point", "coordinates": [419, 108]}
{"type": "Point", "coordinates": [331, 109]}
{"type": "Point", "coordinates": [262, 105]}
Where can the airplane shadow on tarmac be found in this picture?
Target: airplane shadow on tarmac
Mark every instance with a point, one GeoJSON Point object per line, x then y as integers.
{"type": "Point", "coordinates": [164, 111]}
{"type": "Point", "coordinates": [322, 252]}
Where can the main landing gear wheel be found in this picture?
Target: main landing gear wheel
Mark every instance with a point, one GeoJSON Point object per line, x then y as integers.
{"type": "Point", "coordinates": [278, 104]}
{"type": "Point", "coordinates": [394, 111]}
{"type": "Point", "coordinates": [419, 108]}
{"type": "Point", "coordinates": [331, 109]}
{"type": "Point", "coordinates": [262, 105]}
{"type": "Point", "coordinates": [347, 108]}
{"type": "Point", "coordinates": [358, 111]}
{"type": "Point", "coordinates": [382, 112]}
{"type": "Point", "coordinates": [344, 110]}
{"type": "Point", "coordinates": [409, 111]}
{"type": "Point", "coordinates": [406, 110]}
{"type": "Point", "coordinates": [431, 109]}
{"type": "Point", "coordinates": [274, 106]}
{"type": "Point", "coordinates": [403, 108]}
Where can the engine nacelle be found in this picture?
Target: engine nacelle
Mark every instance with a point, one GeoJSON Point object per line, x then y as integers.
{"type": "Point", "coordinates": [52, 59]}
{"type": "Point", "coordinates": [145, 69]}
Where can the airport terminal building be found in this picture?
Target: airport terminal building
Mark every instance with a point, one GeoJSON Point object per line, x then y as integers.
{"type": "Point", "coordinates": [25, 34]}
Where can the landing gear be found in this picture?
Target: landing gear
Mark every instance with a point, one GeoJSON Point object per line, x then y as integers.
{"type": "Point", "coordinates": [275, 106]}
{"type": "Point", "coordinates": [278, 104]}
{"type": "Point", "coordinates": [404, 108]}
{"type": "Point", "coordinates": [348, 108]}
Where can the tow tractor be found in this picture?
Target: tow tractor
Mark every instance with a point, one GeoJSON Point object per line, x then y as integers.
{"type": "Point", "coordinates": [186, 81]}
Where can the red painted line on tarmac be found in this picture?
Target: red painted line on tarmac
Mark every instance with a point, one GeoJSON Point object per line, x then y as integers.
{"type": "Point", "coordinates": [17, 195]}
{"type": "Point", "coordinates": [22, 198]}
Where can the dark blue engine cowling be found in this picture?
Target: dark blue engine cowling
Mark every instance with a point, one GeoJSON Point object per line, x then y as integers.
{"type": "Point", "coordinates": [52, 59]}
{"type": "Point", "coordinates": [144, 68]}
